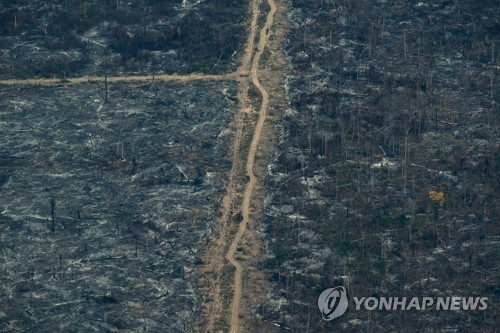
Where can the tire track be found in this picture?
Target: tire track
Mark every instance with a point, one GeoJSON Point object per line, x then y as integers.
{"type": "Point", "coordinates": [216, 254]}
{"type": "Point", "coordinates": [247, 196]}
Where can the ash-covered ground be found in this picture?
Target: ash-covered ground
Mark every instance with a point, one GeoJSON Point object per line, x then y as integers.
{"type": "Point", "coordinates": [104, 207]}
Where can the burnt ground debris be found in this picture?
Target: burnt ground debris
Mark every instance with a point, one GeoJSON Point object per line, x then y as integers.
{"type": "Point", "coordinates": [104, 207]}
{"type": "Point", "coordinates": [75, 38]}
{"type": "Point", "coordinates": [388, 101]}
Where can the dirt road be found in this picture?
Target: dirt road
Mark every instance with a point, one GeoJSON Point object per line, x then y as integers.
{"type": "Point", "coordinates": [128, 78]}
{"type": "Point", "coordinates": [215, 253]}
{"type": "Point", "coordinates": [245, 207]}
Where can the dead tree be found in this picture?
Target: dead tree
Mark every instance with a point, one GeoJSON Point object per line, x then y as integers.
{"type": "Point", "coordinates": [53, 213]}
{"type": "Point", "coordinates": [106, 84]}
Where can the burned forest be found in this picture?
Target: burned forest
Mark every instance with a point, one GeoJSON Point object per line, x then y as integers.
{"type": "Point", "coordinates": [390, 102]}
{"type": "Point", "coordinates": [222, 165]}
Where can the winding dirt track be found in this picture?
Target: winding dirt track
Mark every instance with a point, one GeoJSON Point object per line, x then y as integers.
{"type": "Point", "coordinates": [216, 256]}
{"type": "Point", "coordinates": [247, 196]}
